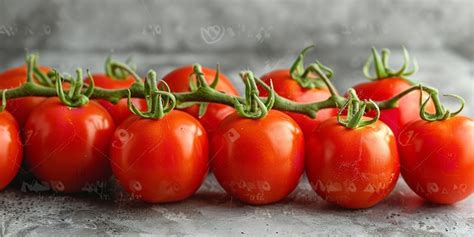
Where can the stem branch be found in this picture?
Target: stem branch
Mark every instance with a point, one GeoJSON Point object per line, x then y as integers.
{"type": "Point", "coordinates": [208, 94]}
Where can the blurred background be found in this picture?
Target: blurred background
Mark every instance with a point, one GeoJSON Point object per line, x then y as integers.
{"type": "Point", "coordinates": [259, 35]}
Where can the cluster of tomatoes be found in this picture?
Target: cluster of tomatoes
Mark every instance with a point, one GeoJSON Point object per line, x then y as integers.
{"type": "Point", "coordinates": [258, 161]}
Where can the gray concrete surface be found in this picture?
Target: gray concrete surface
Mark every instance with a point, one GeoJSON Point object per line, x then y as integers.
{"type": "Point", "coordinates": [259, 35]}
{"type": "Point", "coordinates": [211, 212]}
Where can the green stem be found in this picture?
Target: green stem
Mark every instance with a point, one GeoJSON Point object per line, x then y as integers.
{"type": "Point", "coordinates": [316, 68]}
{"type": "Point", "coordinates": [303, 75]}
{"type": "Point", "coordinates": [392, 102]}
{"type": "Point", "coordinates": [210, 95]}
{"type": "Point", "coordinates": [3, 105]}
{"type": "Point", "coordinates": [204, 94]}
{"type": "Point", "coordinates": [119, 71]}
{"type": "Point", "coordinates": [30, 61]}
{"type": "Point", "coordinates": [112, 66]}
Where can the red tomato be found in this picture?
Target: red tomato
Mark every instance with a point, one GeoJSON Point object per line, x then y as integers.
{"type": "Point", "coordinates": [162, 160]}
{"type": "Point", "coordinates": [408, 108]}
{"type": "Point", "coordinates": [20, 108]}
{"type": "Point", "coordinates": [10, 149]}
{"type": "Point", "coordinates": [352, 168]}
{"type": "Point", "coordinates": [120, 110]}
{"type": "Point", "coordinates": [437, 158]}
{"type": "Point", "coordinates": [287, 87]}
{"type": "Point", "coordinates": [258, 161]}
{"type": "Point", "coordinates": [68, 147]}
{"type": "Point", "coordinates": [178, 81]}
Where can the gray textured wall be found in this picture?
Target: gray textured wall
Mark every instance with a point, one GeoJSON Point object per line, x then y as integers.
{"type": "Point", "coordinates": [262, 25]}
{"type": "Point", "coordinates": [254, 34]}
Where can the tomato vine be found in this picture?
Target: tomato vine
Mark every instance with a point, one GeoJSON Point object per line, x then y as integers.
{"type": "Point", "coordinates": [204, 93]}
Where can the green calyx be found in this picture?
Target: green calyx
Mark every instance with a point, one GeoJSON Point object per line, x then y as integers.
{"type": "Point", "coordinates": [254, 107]}
{"type": "Point", "coordinates": [304, 76]}
{"type": "Point", "coordinates": [382, 68]}
{"type": "Point", "coordinates": [30, 64]}
{"type": "Point", "coordinates": [441, 113]}
{"type": "Point", "coordinates": [201, 83]}
{"type": "Point", "coordinates": [319, 69]}
{"type": "Point", "coordinates": [33, 70]}
{"type": "Point", "coordinates": [159, 102]}
{"type": "Point", "coordinates": [75, 97]}
{"type": "Point", "coordinates": [120, 71]}
{"type": "Point", "coordinates": [355, 111]}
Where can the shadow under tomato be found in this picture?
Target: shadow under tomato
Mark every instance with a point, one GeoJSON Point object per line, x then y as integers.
{"type": "Point", "coordinates": [27, 184]}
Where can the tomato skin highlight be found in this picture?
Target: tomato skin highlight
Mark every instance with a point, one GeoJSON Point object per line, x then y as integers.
{"type": "Point", "coordinates": [68, 147]}
{"type": "Point", "coordinates": [287, 87]}
{"type": "Point", "coordinates": [408, 108]}
{"type": "Point", "coordinates": [437, 161]}
{"type": "Point", "coordinates": [118, 111]}
{"type": "Point", "coordinates": [178, 81]}
{"type": "Point", "coordinates": [20, 108]}
{"type": "Point", "coordinates": [258, 161]}
{"type": "Point", "coordinates": [10, 149]}
{"type": "Point", "coordinates": [162, 160]}
{"type": "Point", "coordinates": [352, 168]}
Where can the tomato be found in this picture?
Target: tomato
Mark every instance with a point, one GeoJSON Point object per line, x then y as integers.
{"type": "Point", "coordinates": [119, 111]}
{"type": "Point", "coordinates": [408, 108]}
{"type": "Point", "coordinates": [20, 108]}
{"type": "Point", "coordinates": [285, 86]}
{"type": "Point", "coordinates": [161, 160]}
{"type": "Point", "coordinates": [352, 168]}
{"type": "Point", "coordinates": [178, 81]}
{"type": "Point", "coordinates": [258, 161]}
{"type": "Point", "coordinates": [68, 147]}
{"type": "Point", "coordinates": [437, 158]}
{"type": "Point", "coordinates": [10, 149]}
